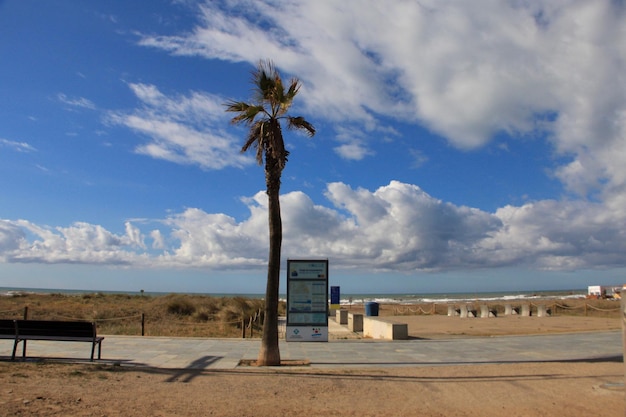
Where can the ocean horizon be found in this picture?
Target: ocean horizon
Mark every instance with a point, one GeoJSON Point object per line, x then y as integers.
{"type": "Point", "coordinates": [345, 299]}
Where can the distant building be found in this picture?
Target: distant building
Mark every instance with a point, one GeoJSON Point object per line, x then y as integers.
{"type": "Point", "coordinates": [604, 291]}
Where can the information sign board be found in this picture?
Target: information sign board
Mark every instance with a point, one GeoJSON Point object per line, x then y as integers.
{"type": "Point", "coordinates": [307, 300]}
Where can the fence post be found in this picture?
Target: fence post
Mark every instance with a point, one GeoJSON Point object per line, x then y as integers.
{"type": "Point", "coordinates": [251, 327]}
{"type": "Point", "coordinates": [25, 312]}
{"type": "Point", "coordinates": [143, 324]}
{"type": "Point", "coordinates": [243, 328]}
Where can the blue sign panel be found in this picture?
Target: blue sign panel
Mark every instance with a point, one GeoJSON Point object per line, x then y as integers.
{"type": "Point", "coordinates": [335, 297]}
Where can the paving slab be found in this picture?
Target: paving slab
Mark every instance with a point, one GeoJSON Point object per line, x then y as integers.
{"type": "Point", "coordinates": [203, 353]}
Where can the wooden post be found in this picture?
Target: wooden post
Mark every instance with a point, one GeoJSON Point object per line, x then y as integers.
{"type": "Point", "coordinates": [143, 324]}
{"type": "Point", "coordinates": [25, 312]}
{"type": "Point", "coordinates": [243, 328]}
{"type": "Point", "coordinates": [251, 327]}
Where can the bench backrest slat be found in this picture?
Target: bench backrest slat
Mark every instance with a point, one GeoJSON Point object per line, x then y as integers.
{"type": "Point", "coordinates": [7, 327]}
{"type": "Point", "coordinates": [56, 328]}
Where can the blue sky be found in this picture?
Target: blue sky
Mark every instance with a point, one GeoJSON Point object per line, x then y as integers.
{"type": "Point", "coordinates": [460, 146]}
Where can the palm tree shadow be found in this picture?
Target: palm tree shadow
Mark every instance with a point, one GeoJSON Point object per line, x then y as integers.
{"type": "Point", "coordinates": [195, 369]}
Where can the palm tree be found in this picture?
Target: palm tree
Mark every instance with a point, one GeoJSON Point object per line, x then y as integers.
{"type": "Point", "coordinates": [263, 116]}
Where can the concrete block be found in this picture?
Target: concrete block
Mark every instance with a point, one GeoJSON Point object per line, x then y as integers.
{"type": "Point", "coordinates": [542, 311]}
{"type": "Point", "coordinates": [341, 316]}
{"type": "Point", "coordinates": [355, 322]}
{"type": "Point", "coordinates": [463, 311]}
{"type": "Point", "coordinates": [486, 312]}
{"type": "Point", "coordinates": [377, 328]}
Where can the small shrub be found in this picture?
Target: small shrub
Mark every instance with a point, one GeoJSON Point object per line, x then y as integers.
{"type": "Point", "coordinates": [203, 315]}
{"type": "Point", "coordinates": [181, 307]}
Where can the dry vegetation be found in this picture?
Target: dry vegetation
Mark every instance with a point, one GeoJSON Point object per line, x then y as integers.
{"type": "Point", "coordinates": [205, 316]}
{"type": "Point", "coordinates": [120, 314]}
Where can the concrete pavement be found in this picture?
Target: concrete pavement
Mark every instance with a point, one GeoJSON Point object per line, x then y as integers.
{"type": "Point", "coordinates": [339, 352]}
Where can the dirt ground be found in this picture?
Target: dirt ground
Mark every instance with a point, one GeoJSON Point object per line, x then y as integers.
{"type": "Point", "coordinates": [546, 389]}
{"type": "Point", "coordinates": [440, 327]}
{"type": "Point", "coordinates": [525, 389]}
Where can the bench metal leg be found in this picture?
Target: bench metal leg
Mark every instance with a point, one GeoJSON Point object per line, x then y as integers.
{"type": "Point", "coordinates": [14, 349]}
{"type": "Point", "coordinates": [93, 349]}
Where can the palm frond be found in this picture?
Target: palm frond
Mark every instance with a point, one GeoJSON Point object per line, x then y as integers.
{"type": "Point", "coordinates": [247, 112]}
{"type": "Point", "coordinates": [264, 79]}
{"type": "Point", "coordinates": [294, 87]}
{"type": "Point", "coordinates": [257, 138]}
{"type": "Point", "coordinates": [300, 123]}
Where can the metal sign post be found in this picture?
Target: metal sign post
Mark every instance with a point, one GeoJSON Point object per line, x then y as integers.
{"type": "Point", "coordinates": [307, 300]}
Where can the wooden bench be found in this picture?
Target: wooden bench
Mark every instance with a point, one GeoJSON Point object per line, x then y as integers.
{"type": "Point", "coordinates": [62, 331]}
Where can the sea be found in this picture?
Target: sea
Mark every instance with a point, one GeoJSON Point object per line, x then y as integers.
{"type": "Point", "coordinates": [351, 299]}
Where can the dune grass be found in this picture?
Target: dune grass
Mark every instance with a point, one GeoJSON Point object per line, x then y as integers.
{"type": "Point", "coordinates": [121, 314]}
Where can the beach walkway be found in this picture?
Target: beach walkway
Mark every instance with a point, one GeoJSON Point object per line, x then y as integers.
{"type": "Point", "coordinates": [339, 352]}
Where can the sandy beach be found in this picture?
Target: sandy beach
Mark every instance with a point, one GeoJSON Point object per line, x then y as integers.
{"type": "Point", "coordinates": [522, 389]}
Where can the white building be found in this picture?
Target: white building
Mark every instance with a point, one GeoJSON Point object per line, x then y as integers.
{"type": "Point", "coordinates": [604, 291]}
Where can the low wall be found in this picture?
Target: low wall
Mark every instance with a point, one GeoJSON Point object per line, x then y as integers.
{"type": "Point", "coordinates": [378, 328]}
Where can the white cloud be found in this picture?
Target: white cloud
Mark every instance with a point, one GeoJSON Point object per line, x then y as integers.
{"type": "Point", "coordinates": [158, 242]}
{"type": "Point", "coordinates": [81, 102]}
{"type": "Point", "coordinates": [419, 158]}
{"type": "Point", "coordinates": [11, 238]}
{"type": "Point", "coordinates": [17, 146]}
{"type": "Point", "coordinates": [26, 242]}
{"type": "Point", "coordinates": [558, 235]}
{"type": "Point", "coordinates": [396, 227]}
{"type": "Point", "coordinates": [355, 151]}
{"type": "Point", "coordinates": [182, 129]}
{"type": "Point", "coordinates": [466, 70]}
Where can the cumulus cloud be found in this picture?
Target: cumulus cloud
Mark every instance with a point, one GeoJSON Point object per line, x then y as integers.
{"type": "Point", "coordinates": [182, 129]}
{"type": "Point", "coordinates": [11, 238]}
{"type": "Point", "coordinates": [465, 70]}
{"type": "Point", "coordinates": [397, 227]}
{"type": "Point", "coordinates": [22, 241]}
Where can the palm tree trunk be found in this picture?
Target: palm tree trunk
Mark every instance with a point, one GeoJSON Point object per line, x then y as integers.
{"type": "Point", "coordinates": [269, 355]}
